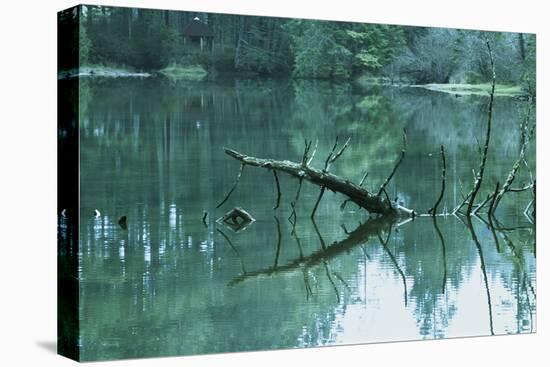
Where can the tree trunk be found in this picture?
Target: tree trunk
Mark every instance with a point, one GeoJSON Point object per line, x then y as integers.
{"type": "Point", "coordinates": [372, 203]}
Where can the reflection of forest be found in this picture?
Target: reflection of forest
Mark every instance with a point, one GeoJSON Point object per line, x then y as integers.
{"type": "Point", "coordinates": [152, 151]}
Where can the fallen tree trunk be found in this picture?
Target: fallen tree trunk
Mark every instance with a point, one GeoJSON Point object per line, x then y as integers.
{"type": "Point", "coordinates": [372, 203]}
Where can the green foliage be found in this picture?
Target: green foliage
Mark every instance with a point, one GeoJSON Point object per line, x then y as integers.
{"type": "Point", "coordinates": [330, 49]}
{"type": "Point", "coordinates": [151, 40]}
{"type": "Point", "coordinates": [184, 72]}
{"type": "Point", "coordinates": [317, 50]}
{"type": "Point", "coordinates": [528, 77]}
{"type": "Point", "coordinates": [85, 44]}
{"type": "Point", "coordinates": [375, 45]}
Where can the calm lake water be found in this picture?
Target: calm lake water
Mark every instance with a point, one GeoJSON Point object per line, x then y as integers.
{"type": "Point", "coordinates": [169, 285]}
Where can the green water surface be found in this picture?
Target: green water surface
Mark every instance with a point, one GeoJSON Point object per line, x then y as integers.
{"type": "Point", "coordinates": [169, 285]}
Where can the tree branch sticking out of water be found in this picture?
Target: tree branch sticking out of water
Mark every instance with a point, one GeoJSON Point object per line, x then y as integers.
{"type": "Point", "coordinates": [234, 186]}
{"type": "Point", "coordinates": [479, 176]}
{"type": "Point", "coordinates": [360, 196]}
{"type": "Point", "coordinates": [399, 160]}
{"type": "Point", "coordinates": [345, 202]}
{"type": "Point", "coordinates": [332, 157]}
{"type": "Point", "coordinates": [433, 211]}
{"type": "Point", "coordinates": [506, 187]}
{"type": "Point", "coordinates": [292, 218]}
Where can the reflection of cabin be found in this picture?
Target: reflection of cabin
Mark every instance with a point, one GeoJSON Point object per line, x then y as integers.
{"type": "Point", "coordinates": [198, 34]}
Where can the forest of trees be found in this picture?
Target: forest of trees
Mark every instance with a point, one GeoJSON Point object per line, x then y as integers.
{"type": "Point", "coordinates": [150, 40]}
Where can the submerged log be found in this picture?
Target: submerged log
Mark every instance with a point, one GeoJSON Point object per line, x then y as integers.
{"type": "Point", "coordinates": [237, 219]}
{"type": "Point", "coordinates": [372, 203]}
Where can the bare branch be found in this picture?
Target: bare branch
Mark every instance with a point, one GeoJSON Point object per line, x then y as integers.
{"type": "Point", "coordinates": [312, 155]}
{"type": "Point", "coordinates": [234, 186]}
{"type": "Point", "coordinates": [335, 156]}
{"type": "Point", "coordinates": [399, 160]}
{"type": "Point", "coordinates": [479, 179]}
{"type": "Point", "coordinates": [329, 157]}
{"type": "Point", "coordinates": [363, 179]}
{"type": "Point", "coordinates": [433, 211]}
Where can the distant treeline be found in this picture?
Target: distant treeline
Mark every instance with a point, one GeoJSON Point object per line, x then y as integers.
{"type": "Point", "coordinates": [152, 39]}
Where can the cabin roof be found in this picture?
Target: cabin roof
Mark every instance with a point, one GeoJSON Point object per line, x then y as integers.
{"type": "Point", "coordinates": [196, 28]}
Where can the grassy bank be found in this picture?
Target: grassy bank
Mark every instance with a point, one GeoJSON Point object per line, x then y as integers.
{"type": "Point", "coordinates": [179, 72]}
{"type": "Point", "coordinates": [102, 71]}
{"type": "Point", "coordinates": [481, 89]}
{"type": "Point", "coordinates": [475, 89]}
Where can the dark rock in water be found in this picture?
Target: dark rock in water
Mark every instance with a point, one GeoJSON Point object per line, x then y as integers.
{"type": "Point", "coordinates": [237, 219]}
{"type": "Point", "coordinates": [122, 222]}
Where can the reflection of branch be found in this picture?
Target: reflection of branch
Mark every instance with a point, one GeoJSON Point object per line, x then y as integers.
{"type": "Point", "coordinates": [234, 249]}
{"type": "Point", "coordinates": [483, 270]}
{"type": "Point", "coordinates": [394, 261]}
{"type": "Point", "coordinates": [321, 239]}
{"type": "Point", "coordinates": [443, 250]}
{"type": "Point", "coordinates": [317, 202]}
{"type": "Point", "coordinates": [278, 190]}
{"type": "Point", "coordinates": [357, 237]}
{"type": "Point", "coordinates": [341, 279]}
{"type": "Point", "coordinates": [298, 243]}
{"type": "Point", "coordinates": [325, 263]}
{"type": "Point", "coordinates": [490, 224]}
{"type": "Point", "coordinates": [365, 252]}
{"type": "Point", "coordinates": [278, 251]}
{"type": "Point", "coordinates": [292, 218]}
{"type": "Point", "coordinates": [528, 303]}
{"type": "Point", "coordinates": [309, 292]}
{"type": "Point", "coordinates": [515, 252]}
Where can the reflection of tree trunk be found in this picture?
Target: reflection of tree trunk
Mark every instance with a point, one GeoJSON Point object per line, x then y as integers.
{"type": "Point", "coordinates": [240, 40]}
{"type": "Point", "coordinates": [443, 252]}
{"type": "Point", "coordinates": [373, 203]}
{"type": "Point", "coordinates": [395, 263]}
{"type": "Point", "coordinates": [483, 270]}
{"type": "Point", "coordinates": [359, 236]}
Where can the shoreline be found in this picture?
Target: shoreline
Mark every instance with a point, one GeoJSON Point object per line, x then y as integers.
{"type": "Point", "coordinates": [101, 71]}
{"type": "Point", "coordinates": [473, 89]}
{"type": "Point", "coordinates": [456, 89]}
{"type": "Point", "coordinates": [197, 73]}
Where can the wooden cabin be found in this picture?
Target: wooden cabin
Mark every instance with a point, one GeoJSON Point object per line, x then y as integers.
{"type": "Point", "coordinates": [198, 34]}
